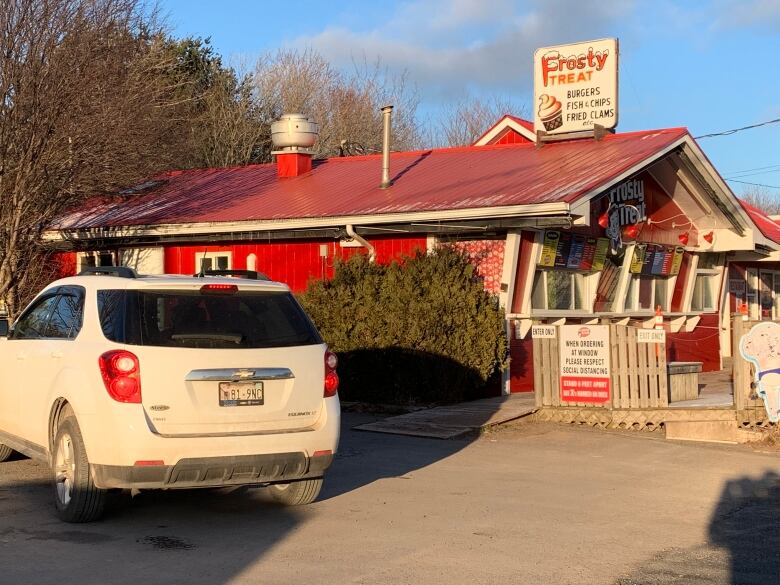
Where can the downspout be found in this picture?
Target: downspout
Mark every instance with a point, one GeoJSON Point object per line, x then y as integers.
{"type": "Point", "coordinates": [362, 241]}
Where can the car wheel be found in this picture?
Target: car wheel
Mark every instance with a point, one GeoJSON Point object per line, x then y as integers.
{"type": "Point", "coordinates": [5, 452]}
{"type": "Point", "coordinates": [75, 495]}
{"type": "Point", "coordinates": [296, 493]}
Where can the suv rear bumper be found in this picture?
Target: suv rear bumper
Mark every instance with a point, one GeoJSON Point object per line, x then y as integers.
{"type": "Point", "coordinates": [214, 471]}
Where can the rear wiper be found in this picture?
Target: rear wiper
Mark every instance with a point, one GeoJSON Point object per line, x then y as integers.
{"type": "Point", "coordinates": [234, 338]}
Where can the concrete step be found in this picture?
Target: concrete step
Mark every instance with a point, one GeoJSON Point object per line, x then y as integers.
{"type": "Point", "coordinates": [711, 431]}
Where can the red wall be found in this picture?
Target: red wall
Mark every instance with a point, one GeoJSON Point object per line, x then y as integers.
{"type": "Point", "coordinates": [700, 345]}
{"type": "Point", "coordinates": [64, 264]}
{"type": "Point", "coordinates": [511, 137]}
{"type": "Point", "coordinates": [291, 262]}
{"type": "Point", "coordinates": [521, 366]}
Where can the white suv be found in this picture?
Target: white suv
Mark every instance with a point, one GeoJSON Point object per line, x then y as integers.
{"type": "Point", "coordinates": [122, 381]}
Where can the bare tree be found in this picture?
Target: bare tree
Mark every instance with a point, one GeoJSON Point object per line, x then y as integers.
{"type": "Point", "coordinates": [83, 110]}
{"type": "Point", "coordinates": [763, 199]}
{"type": "Point", "coordinates": [346, 105]}
{"type": "Point", "coordinates": [230, 129]}
{"type": "Point", "coordinates": [464, 122]}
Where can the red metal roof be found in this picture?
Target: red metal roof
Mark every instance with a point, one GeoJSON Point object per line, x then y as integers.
{"type": "Point", "coordinates": [427, 180]}
{"type": "Point", "coordinates": [769, 227]}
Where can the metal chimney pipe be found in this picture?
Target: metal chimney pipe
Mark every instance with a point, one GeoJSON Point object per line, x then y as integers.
{"type": "Point", "coordinates": [386, 113]}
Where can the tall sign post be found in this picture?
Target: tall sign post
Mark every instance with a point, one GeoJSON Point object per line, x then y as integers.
{"type": "Point", "coordinates": [576, 87]}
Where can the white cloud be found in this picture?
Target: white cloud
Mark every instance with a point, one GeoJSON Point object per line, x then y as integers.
{"type": "Point", "coordinates": [747, 13]}
{"type": "Point", "coordinates": [447, 46]}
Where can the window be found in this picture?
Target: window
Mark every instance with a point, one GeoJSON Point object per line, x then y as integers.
{"type": "Point", "coordinates": [646, 292]}
{"type": "Point", "coordinates": [247, 319]}
{"type": "Point", "coordinates": [32, 324]}
{"type": "Point", "coordinates": [706, 283]}
{"type": "Point", "coordinates": [66, 316]}
{"type": "Point", "coordinates": [559, 290]}
{"type": "Point", "coordinates": [93, 259]}
{"type": "Point", "coordinates": [607, 287]}
{"type": "Point", "coordinates": [212, 261]}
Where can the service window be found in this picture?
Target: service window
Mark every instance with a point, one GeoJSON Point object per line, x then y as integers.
{"type": "Point", "coordinates": [646, 292]}
{"type": "Point", "coordinates": [560, 290]}
{"type": "Point", "coordinates": [706, 283]}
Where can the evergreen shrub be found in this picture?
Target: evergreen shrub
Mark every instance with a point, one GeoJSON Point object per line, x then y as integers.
{"type": "Point", "coordinates": [418, 331]}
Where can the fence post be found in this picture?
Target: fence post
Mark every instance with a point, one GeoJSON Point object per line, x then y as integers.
{"type": "Point", "coordinates": [740, 369]}
{"type": "Point", "coordinates": [538, 372]}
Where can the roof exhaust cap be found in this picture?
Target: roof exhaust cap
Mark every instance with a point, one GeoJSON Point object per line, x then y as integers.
{"type": "Point", "coordinates": [387, 112]}
{"type": "Point", "coordinates": [293, 135]}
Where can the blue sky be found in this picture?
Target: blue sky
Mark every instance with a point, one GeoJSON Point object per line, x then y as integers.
{"type": "Point", "coordinates": [710, 65]}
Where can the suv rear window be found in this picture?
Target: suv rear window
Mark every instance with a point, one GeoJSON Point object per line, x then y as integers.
{"type": "Point", "coordinates": [247, 319]}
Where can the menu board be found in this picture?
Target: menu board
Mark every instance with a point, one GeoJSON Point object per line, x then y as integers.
{"type": "Point", "coordinates": [600, 256]}
{"type": "Point", "coordinates": [549, 247]}
{"type": "Point", "coordinates": [659, 259]}
{"type": "Point", "coordinates": [638, 259]}
{"type": "Point", "coordinates": [656, 260]}
{"type": "Point", "coordinates": [562, 252]}
{"type": "Point", "coordinates": [574, 251]}
{"type": "Point", "coordinates": [677, 260]}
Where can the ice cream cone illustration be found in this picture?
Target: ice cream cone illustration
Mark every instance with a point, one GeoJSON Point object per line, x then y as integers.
{"type": "Point", "coordinates": [550, 112]}
{"type": "Point", "coordinates": [761, 347]}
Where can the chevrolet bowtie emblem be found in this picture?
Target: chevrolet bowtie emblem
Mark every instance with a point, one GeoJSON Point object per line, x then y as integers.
{"type": "Point", "coordinates": [244, 373]}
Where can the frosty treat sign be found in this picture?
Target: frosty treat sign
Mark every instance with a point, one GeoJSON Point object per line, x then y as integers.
{"type": "Point", "coordinates": [761, 347]}
{"type": "Point", "coordinates": [575, 86]}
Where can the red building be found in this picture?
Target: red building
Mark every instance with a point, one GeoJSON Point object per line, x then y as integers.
{"type": "Point", "coordinates": [576, 231]}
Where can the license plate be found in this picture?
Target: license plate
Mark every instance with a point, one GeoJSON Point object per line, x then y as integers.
{"type": "Point", "coordinates": [240, 393]}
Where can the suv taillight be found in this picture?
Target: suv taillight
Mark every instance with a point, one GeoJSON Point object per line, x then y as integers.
{"type": "Point", "coordinates": [121, 373]}
{"type": "Point", "coordinates": [331, 377]}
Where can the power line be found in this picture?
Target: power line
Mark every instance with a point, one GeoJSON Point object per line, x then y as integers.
{"type": "Point", "coordinates": [734, 173]}
{"type": "Point", "coordinates": [735, 130]}
{"type": "Point", "coordinates": [754, 184]}
{"type": "Point", "coordinates": [743, 175]}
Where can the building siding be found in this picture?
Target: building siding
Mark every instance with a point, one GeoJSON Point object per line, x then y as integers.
{"type": "Point", "coordinates": [291, 262]}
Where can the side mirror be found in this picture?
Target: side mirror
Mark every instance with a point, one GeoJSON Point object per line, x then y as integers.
{"type": "Point", "coordinates": [3, 327]}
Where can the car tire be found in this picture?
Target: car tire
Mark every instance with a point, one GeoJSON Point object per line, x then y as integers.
{"type": "Point", "coordinates": [76, 497]}
{"type": "Point", "coordinates": [5, 452]}
{"type": "Point", "coordinates": [296, 493]}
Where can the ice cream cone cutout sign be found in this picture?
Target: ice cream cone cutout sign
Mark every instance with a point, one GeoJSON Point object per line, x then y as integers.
{"type": "Point", "coordinates": [761, 347]}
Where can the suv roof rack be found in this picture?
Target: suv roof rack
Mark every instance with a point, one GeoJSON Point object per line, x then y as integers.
{"type": "Point", "coordinates": [120, 271]}
{"type": "Point", "coordinates": [248, 274]}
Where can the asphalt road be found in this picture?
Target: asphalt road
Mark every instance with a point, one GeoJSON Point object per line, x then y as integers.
{"type": "Point", "coordinates": [543, 504]}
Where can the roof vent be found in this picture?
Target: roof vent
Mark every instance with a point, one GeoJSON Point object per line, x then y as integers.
{"type": "Point", "coordinates": [293, 135]}
{"type": "Point", "coordinates": [294, 132]}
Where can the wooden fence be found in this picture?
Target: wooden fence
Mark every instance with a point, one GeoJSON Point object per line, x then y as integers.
{"type": "Point", "coordinates": [750, 407]}
{"type": "Point", "coordinates": [638, 378]}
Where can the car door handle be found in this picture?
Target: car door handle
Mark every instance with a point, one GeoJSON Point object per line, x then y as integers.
{"type": "Point", "coordinates": [56, 354]}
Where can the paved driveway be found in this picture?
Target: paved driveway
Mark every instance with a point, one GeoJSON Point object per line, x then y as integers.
{"type": "Point", "coordinates": [545, 504]}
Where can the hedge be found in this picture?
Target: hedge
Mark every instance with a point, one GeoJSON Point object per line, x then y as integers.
{"type": "Point", "coordinates": [418, 331]}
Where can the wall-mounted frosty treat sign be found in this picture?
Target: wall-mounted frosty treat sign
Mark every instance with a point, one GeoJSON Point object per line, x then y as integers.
{"type": "Point", "coordinates": [626, 207]}
{"type": "Point", "coordinates": [761, 347]}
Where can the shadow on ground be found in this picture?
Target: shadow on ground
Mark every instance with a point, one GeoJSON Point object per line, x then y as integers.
{"type": "Point", "coordinates": [744, 542]}
{"type": "Point", "coordinates": [206, 536]}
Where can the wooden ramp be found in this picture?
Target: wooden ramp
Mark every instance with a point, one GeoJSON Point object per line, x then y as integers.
{"type": "Point", "coordinates": [448, 422]}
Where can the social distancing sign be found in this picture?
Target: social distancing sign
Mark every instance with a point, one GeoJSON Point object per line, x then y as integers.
{"type": "Point", "coordinates": [584, 363]}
